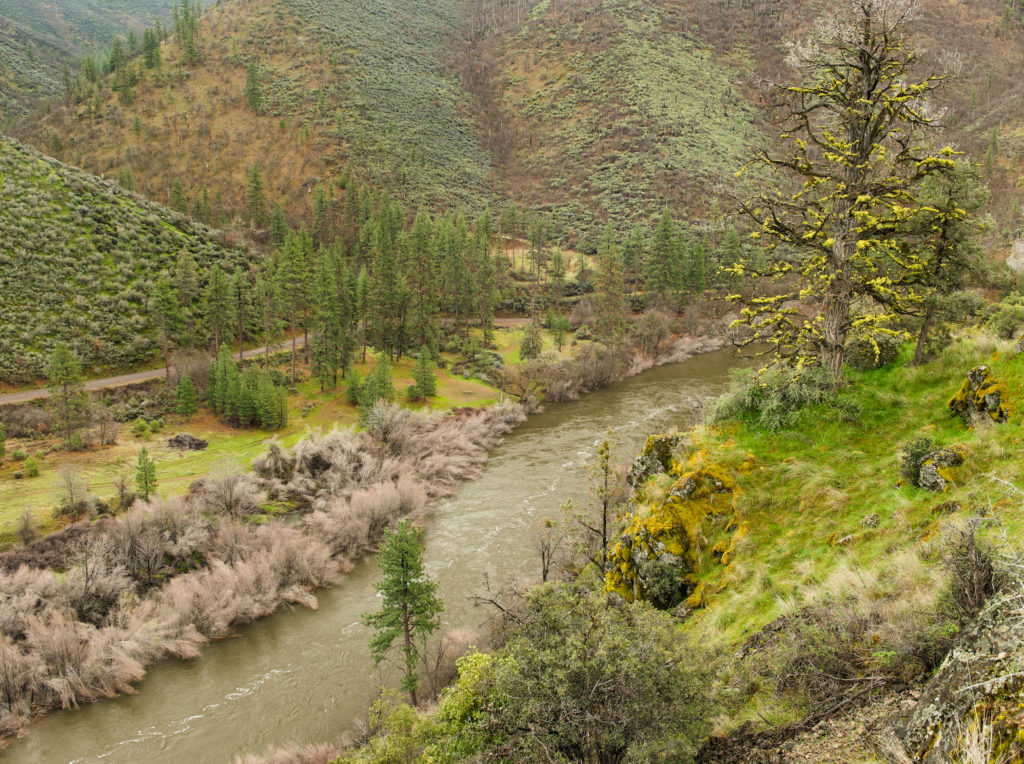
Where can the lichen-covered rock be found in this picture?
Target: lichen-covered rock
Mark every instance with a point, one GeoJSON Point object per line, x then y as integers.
{"type": "Point", "coordinates": [980, 394]}
{"type": "Point", "coordinates": [655, 458]}
{"type": "Point", "coordinates": [936, 470]}
{"type": "Point", "coordinates": [668, 532]}
{"type": "Point", "coordinates": [982, 679]}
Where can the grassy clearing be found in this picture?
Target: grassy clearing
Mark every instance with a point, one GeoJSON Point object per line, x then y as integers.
{"type": "Point", "coordinates": [811, 487]}
{"type": "Point", "coordinates": [176, 470]}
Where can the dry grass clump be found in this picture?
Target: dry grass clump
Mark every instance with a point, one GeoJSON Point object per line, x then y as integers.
{"type": "Point", "coordinates": [318, 753]}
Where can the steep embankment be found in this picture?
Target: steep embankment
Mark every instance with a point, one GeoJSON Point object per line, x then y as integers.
{"type": "Point", "coordinates": [78, 255]}
{"type": "Point", "coordinates": [38, 38]}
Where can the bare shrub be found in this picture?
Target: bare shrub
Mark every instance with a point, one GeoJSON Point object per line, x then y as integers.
{"type": "Point", "coordinates": [971, 569]}
{"type": "Point", "coordinates": [584, 312]}
{"type": "Point", "coordinates": [318, 753]}
{"type": "Point", "coordinates": [439, 661]}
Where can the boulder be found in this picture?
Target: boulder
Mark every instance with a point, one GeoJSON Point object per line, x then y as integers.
{"type": "Point", "coordinates": [982, 678]}
{"type": "Point", "coordinates": [936, 470]}
{"type": "Point", "coordinates": [656, 458]}
{"type": "Point", "coordinates": [185, 442]}
{"type": "Point", "coordinates": [980, 394]}
{"type": "Point", "coordinates": [661, 539]}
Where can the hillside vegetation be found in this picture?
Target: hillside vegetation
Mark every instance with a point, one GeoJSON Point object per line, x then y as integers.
{"type": "Point", "coordinates": [77, 258]}
{"type": "Point", "coordinates": [38, 38]}
{"type": "Point", "coordinates": [351, 84]}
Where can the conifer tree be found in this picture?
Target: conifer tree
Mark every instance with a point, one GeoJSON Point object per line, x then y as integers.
{"type": "Point", "coordinates": [268, 299]}
{"type": "Point", "coordinates": [662, 264]}
{"type": "Point", "coordinates": [217, 307]}
{"type": "Point", "coordinates": [424, 378]}
{"type": "Point", "coordinates": [253, 88]}
{"type": "Point", "coordinates": [556, 273]}
{"type": "Point", "coordinates": [278, 227]}
{"type": "Point", "coordinates": [166, 309]}
{"type": "Point", "coordinates": [410, 609]}
{"type": "Point", "coordinates": [238, 298]}
{"type": "Point", "coordinates": [145, 475]}
{"type": "Point", "coordinates": [186, 400]}
{"type": "Point", "coordinates": [255, 203]}
{"type": "Point", "coordinates": [611, 301]}
{"type": "Point", "coordinates": [66, 384]}
{"type": "Point", "coordinates": [178, 201]}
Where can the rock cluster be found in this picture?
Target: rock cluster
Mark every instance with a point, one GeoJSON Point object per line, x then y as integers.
{"type": "Point", "coordinates": [935, 472]}
{"type": "Point", "coordinates": [982, 679]}
{"type": "Point", "coordinates": [980, 394]}
{"type": "Point", "coordinates": [185, 442]}
{"type": "Point", "coordinates": [655, 459]}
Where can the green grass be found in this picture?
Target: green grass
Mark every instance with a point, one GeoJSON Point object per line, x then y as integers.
{"type": "Point", "coordinates": [818, 479]}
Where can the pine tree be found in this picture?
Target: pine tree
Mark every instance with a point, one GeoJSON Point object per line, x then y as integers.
{"type": "Point", "coordinates": [67, 389]}
{"type": "Point", "coordinates": [662, 271]}
{"type": "Point", "coordinates": [611, 301]}
{"type": "Point", "coordinates": [166, 310]}
{"type": "Point", "coordinates": [186, 279]}
{"type": "Point", "coordinates": [253, 88]}
{"type": "Point", "coordinates": [3, 442]}
{"type": "Point", "coordinates": [556, 273]}
{"type": "Point", "coordinates": [532, 343]}
{"type": "Point", "coordinates": [217, 306]}
{"type": "Point", "coordinates": [145, 475]}
{"type": "Point", "coordinates": [178, 201]}
{"type": "Point", "coordinates": [410, 609]}
{"type": "Point", "coordinates": [424, 378]}
{"type": "Point", "coordinates": [278, 227]}
{"type": "Point", "coordinates": [255, 203]}
{"type": "Point", "coordinates": [186, 400]}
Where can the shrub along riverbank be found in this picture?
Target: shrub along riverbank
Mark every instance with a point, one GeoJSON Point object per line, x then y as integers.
{"type": "Point", "coordinates": [88, 608]}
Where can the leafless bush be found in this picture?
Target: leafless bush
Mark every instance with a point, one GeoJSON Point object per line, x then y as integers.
{"type": "Point", "coordinates": [319, 753]}
{"type": "Point", "coordinates": [584, 312]}
{"type": "Point", "coordinates": [971, 569]}
{"type": "Point", "coordinates": [24, 420]}
{"type": "Point", "coordinates": [440, 659]}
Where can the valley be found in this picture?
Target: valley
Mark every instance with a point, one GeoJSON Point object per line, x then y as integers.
{"type": "Point", "coordinates": [511, 380]}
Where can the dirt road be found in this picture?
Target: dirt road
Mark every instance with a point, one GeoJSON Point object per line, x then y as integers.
{"type": "Point", "coordinates": [135, 377]}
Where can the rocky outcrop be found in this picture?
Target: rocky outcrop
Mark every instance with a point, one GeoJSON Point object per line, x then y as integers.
{"type": "Point", "coordinates": [936, 470]}
{"type": "Point", "coordinates": [185, 442]}
{"type": "Point", "coordinates": [657, 555]}
{"type": "Point", "coordinates": [656, 458]}
{"type": "Point", "coordinates": [980, 682]}
{"type": "Point", "coordinates": [980, 394]}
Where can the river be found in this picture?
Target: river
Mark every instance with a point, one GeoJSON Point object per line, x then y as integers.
{"type": "Point", "coordinates": [305, 676]}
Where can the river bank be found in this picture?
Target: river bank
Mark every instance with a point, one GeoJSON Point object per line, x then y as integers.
{"type": "Point", "coordinates": [166, 578]}
{"type": "Point", "coordinates": [305, 677]}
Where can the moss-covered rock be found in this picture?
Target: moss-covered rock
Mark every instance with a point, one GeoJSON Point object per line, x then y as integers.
{"type": "Point", "coordinates": [656, 458]}
{"type": "Point", "coordinates": [981, 681]}
{"type": "Point", "coordinates": [980, 394]}
{"type": "Point", "coordinates": [670, 532]}
{"type": "Point", "coordinates": [936, 472]}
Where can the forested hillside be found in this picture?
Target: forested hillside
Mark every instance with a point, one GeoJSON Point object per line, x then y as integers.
{"type": "Point", "coordinates": [301, 88]}
{"type": "Point", "coordinates": [37, 39]}
{"type": "Point", "coordinates": [78, 256]}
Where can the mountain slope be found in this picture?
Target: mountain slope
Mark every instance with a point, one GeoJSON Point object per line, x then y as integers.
{"type": "Point", "coordinates": [354, 83]}
{"type": "Point", "coordinates": [78, 256]}
{"type": "Point", "coordinates": [37, 38]}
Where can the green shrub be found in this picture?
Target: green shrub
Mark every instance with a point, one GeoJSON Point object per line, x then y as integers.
{"type": "Point", "coordinates": [140, 428]}
{"type": "Point", "coordinates": [18, 455]}
{"type": "Point", "coordinates": [1006, 320]}
{"type": "Point", "coordinates": [911, 456]}
{"type": "Point", "coordinates": [31, 467]}
{"type": "Point", "coordinates": [773, 397]}
{"type": "Point", "coordinates": [865, 352]}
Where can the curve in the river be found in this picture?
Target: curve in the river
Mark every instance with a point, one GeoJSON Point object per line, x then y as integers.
{"type": "Point", "coordinates": [303, 676]}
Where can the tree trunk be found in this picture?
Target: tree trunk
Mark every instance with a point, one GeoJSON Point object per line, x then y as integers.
{"type": "Point", "coordinates": [294, 345]}
{"type": "Point", "coordinates": [922, 336]}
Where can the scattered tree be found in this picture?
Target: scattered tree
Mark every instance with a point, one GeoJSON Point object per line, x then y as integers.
{"type": "Point", "coordinates": [410, 609]}
{"type": "Point", "coordinates": [145, 475]}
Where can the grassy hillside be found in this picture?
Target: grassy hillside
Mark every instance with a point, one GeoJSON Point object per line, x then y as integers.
{"type": "Point", "coordinates": [38, 38]}
{"type": "Point", "coordinates": [77, 258]}
{"type": "Point", "coordinates": [354, 83]}
{"type": "Point", "coordinates": [618, 108]}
